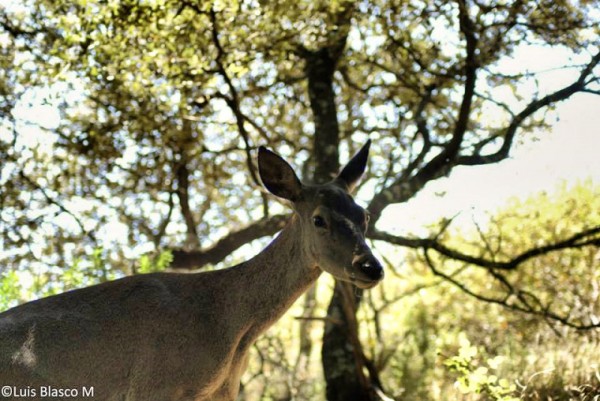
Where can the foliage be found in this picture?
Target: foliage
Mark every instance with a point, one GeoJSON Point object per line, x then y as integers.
{"type": "Point", "coordinates": [484, 343]}
{"type": "Point", "coordinates": [18, 286]}
{"type": "Point", "coordinates": [432, 341]}
{"type": "Point", "coordinates": [160, 262]}
{"type": "Point", "coordinates": [9, 286]}
{"type": "Point", "coordinates": [560, 369]}
{"type": "Point", "coordinates": [474, 377]}
{"type": "Point", "coordinates": [145, 126]}
{"type": "Point", "coordinates": [542, 285]}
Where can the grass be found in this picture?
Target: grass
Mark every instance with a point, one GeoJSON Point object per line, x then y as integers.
{"type": "Point", "coordinates": [560, 370]}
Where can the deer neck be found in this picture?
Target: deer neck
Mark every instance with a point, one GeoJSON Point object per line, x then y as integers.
{"type": "Point", "coordinates": [276, 277]}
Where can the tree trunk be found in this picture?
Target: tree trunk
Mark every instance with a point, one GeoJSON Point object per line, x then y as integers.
{"type": "Point", "coordinates": [341, 351]}
{"type": "Point", "coordinates": [343, 359]}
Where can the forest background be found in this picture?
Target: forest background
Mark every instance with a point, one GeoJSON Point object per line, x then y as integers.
{"type": "Point", "coordinates": [128, 136]}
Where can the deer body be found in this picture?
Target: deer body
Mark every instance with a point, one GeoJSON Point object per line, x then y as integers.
{"type": "Point", "coordinates": [179, 337]}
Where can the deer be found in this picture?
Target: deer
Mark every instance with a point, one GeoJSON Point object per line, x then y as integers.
{"type": "Point", "coordinates": [186, 336]}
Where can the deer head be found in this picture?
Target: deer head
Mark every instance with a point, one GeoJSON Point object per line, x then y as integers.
{"type": "Point", "coordinates": [333, 225]}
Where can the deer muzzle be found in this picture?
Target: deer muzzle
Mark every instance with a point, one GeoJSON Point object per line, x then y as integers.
{"type": "Point", "coordinates": [369, 266]}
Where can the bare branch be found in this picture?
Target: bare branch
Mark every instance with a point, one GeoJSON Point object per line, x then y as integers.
{"type": "Point", "coordinates": [162, 227]}
{"type": "Point", "coordinates": [182, 191]}
{"type": "Point", "coordinates": [228, 244]}
{"type": "Point", "coordinates": [58, 204]}
{"type": "Point", "coordinates": [320, 318]}
{"type": "Point", "coordinates": [402, 189]}
{"type": "Point", "coordinates": [523, 306]}
{"type": "Point", "coordinates": [423, 130]}
{"type": "Point", "coordinates": [14, 30]}
{"type": "Point", "coordinates": [562, 94]}
{"type": "Point", "coordinates": [232, 101]}
{"type": "Point", "coordinates": [589, 237]}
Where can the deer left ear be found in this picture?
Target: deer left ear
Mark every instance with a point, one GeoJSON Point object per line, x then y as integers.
{"type": "Point", "coordinates": [278, 176]}
{"type": "Point", "coordinates": [351, 173]}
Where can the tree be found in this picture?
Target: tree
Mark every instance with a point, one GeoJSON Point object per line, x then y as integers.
{"type": "Point", "coordinates": [505, 336]}
{"type": "Point", "coordinates": [162, 104]}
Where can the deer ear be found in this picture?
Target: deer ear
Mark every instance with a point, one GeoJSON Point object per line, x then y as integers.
{"type": "Point", "coordinates": [277, 175]}
{"type": "Point", "coordinates": [351, 173]}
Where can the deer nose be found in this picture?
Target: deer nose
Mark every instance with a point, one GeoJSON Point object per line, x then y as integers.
{"type": "Point", "coordinates": [369, 265]}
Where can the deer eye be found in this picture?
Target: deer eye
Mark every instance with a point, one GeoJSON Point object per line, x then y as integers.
{"type": "Point", "coordinates": [319, 222]}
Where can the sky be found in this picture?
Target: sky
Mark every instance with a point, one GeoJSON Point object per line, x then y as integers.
{"type": "Point", "coordinates": [568, 152]}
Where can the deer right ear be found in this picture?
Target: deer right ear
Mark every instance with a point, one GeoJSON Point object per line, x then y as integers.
{"type": "Point", "coordinates": [277, 175]}
{"type": "Point", "coordinates": [350, 175]}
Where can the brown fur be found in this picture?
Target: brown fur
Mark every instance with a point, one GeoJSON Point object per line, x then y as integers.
{"type": "Point", "coordinates": [181, 337]}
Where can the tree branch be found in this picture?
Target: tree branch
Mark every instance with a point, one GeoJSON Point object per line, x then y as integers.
{"type": "Point", "coordinates": [182, 176]}
{"type": "Point", "coordinates": [403, 189]}
{"type": "Point", "coordinates": [590, 237]}
{"type": "Point", "coordinates": [528, 111]}
{"type": "Point", "coordinates": [58, 204]}
{"type": "Point", "coordinates": [225, 246]}
{"type": "Point", "coordinates": [524, 306]}
{"type": "Point", "coordinates": [232, 101]}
